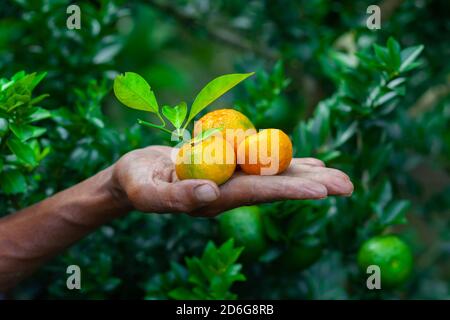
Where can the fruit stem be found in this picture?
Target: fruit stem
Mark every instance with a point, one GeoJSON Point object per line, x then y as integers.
{"type": "Point", "coordinates": [162, 119]}
{"type": "Point", "coordinates": [152, 125]}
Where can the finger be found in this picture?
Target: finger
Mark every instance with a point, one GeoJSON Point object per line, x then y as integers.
{"type": "Point", "coordinates": [248, 189]}
{"type": "Point", "coordinates": [336, 181]}
{"type": "Point", "coordinates": [308, 161]}
{"type": "Point", "coordinates": [186, 195]}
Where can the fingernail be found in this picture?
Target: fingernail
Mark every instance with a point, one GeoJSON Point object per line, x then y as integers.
{"type": "Point", "coordinates": [205, 193]}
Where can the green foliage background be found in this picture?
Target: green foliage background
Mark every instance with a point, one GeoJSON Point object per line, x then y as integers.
{"type": "Point", "coordinates": [344, 93]}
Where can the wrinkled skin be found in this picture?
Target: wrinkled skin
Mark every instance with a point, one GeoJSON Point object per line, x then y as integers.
{"type": "Point", "coordinates": [144, 179]}
{"type": "Point", "coordinates": [149, 183]}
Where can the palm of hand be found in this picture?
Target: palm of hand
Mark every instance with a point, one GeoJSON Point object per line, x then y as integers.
{"type": "Point", "coordinates": [146, 180]}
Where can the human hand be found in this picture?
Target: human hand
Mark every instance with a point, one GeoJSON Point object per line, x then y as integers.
{"type": "Point", "coordinates": [145, 179]}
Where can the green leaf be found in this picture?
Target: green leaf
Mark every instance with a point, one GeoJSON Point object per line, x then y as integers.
{"type": "Point", "coordinates": [36, 114]}
{"type": "Point", "coordinates": [409, 55]}
{"type": "Point", "coordinates": [134, 92]}
{"type": "Point", "coordinates": [395, 212]}
{"type": "Point", "coordinates": [36, 79]}
{"type": "Point", "coordinates": [394, 52]}
{"type": "Point", "coordinates": [12, 182]}
{"type": "Point", "coordinates": [381, 53]}
{"type": "Point", "coordinates": [328, 156]}
{"type": "Point", "coordinates": [3, 126]}
{"type": "Point", "coordinates": [385, 97]}
{"type": "Point", "coordinates": [205, 134]}
{"type": "Point", "coordinates": [215, 89]}
{"type": "Point", "coordinates": [347, 134]}
{"type": "Point", "coordinates": [182, 294]}
{"type": "Point", "coordinates": [25, 131]}
{"type": "Point", "coordinates": [22, 151]}
{"type": "Point", "coordinates": [39, 98]}
{"type": "Point", "coordinates": [176, 114]}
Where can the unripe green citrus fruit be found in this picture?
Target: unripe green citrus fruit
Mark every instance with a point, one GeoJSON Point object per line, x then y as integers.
{"type": "Point", "coordinates": [300, 256]}
{"type": "Point", "coordinates": [391, 254]}
{"type": "Point", "coordinates": [245, 225]}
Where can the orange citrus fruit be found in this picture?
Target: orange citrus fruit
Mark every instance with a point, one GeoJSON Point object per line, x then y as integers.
{"type": "Point", "coordinates": [212, 158]}
{"type": "Point", "coordinates": [235, 126]}
{"type": "Point", "coordinates": [268, 152]}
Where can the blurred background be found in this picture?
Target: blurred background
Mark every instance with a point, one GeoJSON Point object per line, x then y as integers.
{"type": "Point", "coordinates": [370, 102]}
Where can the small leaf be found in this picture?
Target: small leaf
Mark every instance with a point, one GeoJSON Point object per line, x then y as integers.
{"type": "Point", "coordinates": [396, 82]}
{"type": "Point", "coordinates": [22, 151]}
{"type": "Point", "coordinates": [347, 134]}
{"type": "Point", "coordinates": [394, 53]}
{"type": "Point", "coordinates": [37, 77]}
{"type": "Point", "coordinates": [39, 98]}
{"type": "Point", "coordinates": [12, 182]}
{"type": "Point", "coordinates": [385, 98]}
{"type": "Point", "coordinates": [381, 53]}
{"type": "Point", "coordinates": [3, 126]}
{"type": "Point", "coordinates": [36, 114]}
{"type": "Point", "coordinates": [182, 294]}
{"type": "Point", "coordinates": [408, 56]}
{"type": "Point", "coordinates": [395, 212]}
{"type": "Point", "coordinates": [205, 134]}
{"type": "Point", "coordinates": [215, 89]}
{"type": "Point", "coordinates": [134, 92]}
{"type": "Point", "coordinates": [25, 131]}
{"type": "Point", "coordinates": [176, 114]}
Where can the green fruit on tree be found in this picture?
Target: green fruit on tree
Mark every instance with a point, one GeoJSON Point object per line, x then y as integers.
{"type": "Point", "coordinates": [300, 256]}
{"type": "Point", "coordinates": [245, 226]}
{"type": "Point", "coordinates": [391, 254]}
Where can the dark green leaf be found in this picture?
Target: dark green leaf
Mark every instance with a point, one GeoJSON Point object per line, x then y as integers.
{"type": "Point", "coordinates": [3, 126]}
{"type": "Point", "coordinates": [25, 131]}
{"type": "Point", "coordinates": [12, 182]}
{"type": "Point", "coordinates": [22, 151]}
{"type": "Point", "coordinates": [409, 55]}
{"type": "Point", "coordinates": [36, 114]}
{"type": "Point", "coordinates": [395, 212]}
{"type": "Point", "coordinates": [394, 53]}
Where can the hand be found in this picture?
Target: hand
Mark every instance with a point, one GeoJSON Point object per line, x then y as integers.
{"type": "Point", "coordinates": [145, 179]}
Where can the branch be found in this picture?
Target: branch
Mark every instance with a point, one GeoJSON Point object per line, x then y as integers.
{"type": "Point", "coordinates": [388, 8]}
{"type": "Point", "coordinates": [221, 34]}
{"type": "Point", "coordinates": [429, 99]}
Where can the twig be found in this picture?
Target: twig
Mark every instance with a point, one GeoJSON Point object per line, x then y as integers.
{"type": "Point", "coordinates": [217, 34]}
{"type": "Point", "coordinates": [429, 98]}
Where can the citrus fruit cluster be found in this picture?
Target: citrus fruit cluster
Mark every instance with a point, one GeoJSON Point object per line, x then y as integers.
{"type": "Point", "coordinates": [236, 142]}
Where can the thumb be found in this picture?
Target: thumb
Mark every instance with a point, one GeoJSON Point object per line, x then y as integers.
{"type": "Point", "coordinates": [189, 195]}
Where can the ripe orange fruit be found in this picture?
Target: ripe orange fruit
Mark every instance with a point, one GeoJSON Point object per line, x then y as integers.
{"type": "Point", "coordinates": [235, 125]}
{"type": "Point", "coordinates": [268, 152]}
{"type": "Point", "coordinates": [212, 158]}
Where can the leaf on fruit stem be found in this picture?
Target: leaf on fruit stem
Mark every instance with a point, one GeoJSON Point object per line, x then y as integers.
{"type": "Point", "coordinates": [134, 92]}
{"type": "Point", "coordinates": [215, 89]}
{"type": "Point", "coordinates": [175, 114]}
{"type": "Point", "coordinates": [205, 134]}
